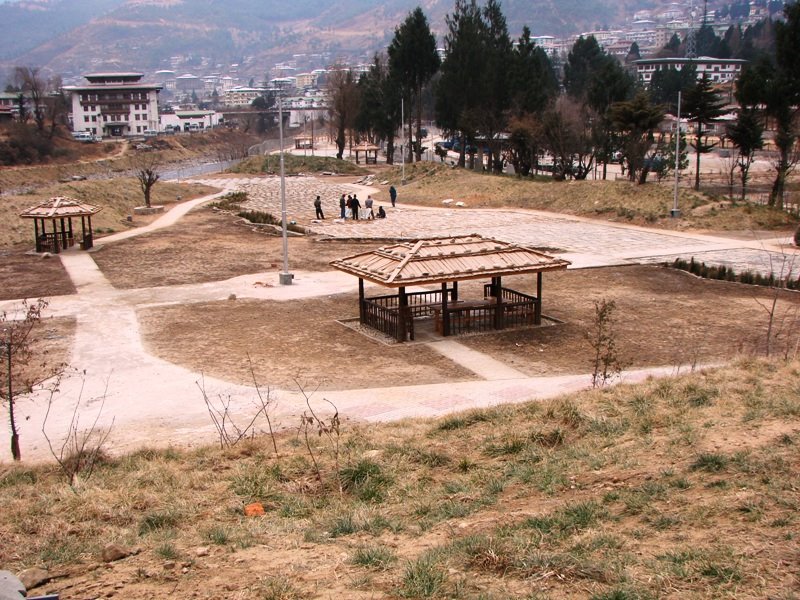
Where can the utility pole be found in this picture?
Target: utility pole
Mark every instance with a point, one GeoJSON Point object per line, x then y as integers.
{"type": "Point", "coordinates": [676, 212]}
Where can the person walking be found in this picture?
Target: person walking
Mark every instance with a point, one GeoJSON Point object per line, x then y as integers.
{"type": "Point", "coordinates": [343, 207]}
{"type": "Point", "coordinates": [318, 208]}
{"type": "Point", "coordinates": [368, 207]}
{"type": "Point", "coordinates": [393, 195]}
{"type": "Point", "coordinates": [355, 205]}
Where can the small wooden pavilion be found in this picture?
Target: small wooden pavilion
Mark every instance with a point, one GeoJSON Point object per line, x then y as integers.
{"type": "Point", "coordinates": [59, 212]}
{"type": "Point", "coordinates": [370, 152]}
{"type": "Point", "coordinates": [446, 261]}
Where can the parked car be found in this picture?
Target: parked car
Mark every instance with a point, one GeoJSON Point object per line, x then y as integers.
{"type": "Point", "coordinates": [83, 136]}
{"type": "Point", "coordinates": [150, 133]}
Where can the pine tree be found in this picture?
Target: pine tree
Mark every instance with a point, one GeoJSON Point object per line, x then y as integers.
{"type": "Point", "coordinates": [702, 107]}
{"type": "Point", "coordinates": [413, 61]}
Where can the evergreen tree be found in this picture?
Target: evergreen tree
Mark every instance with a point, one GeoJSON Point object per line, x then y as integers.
{"type": "Point", "coordinates": [413, 60]}
{"type": "Point", "coordinates": [775, 84]}
{"type": "Point", "coordinates": [584, 58]}
{"type": "Point", "coordinates": [460, 92]}
{"type": "Point", "coordinates": [702, 107]}
{"type": "Point", "coordinates": [497, 97]}
{"type": "Point", "coordinates": [609, 83]}
{"type": "Point", "coordinates": [531, 79]}
{"type": "Point", "coordinates": [746, 134]}
{"type": "Point", "coordinates": [379, 108]}
{"type": "Point", "coordinates": [637, 119]}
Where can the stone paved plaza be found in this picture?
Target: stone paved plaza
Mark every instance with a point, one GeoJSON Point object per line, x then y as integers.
{"type": "Point", "coordinates": [585, 242]}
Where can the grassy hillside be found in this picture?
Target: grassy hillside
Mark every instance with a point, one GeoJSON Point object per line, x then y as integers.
{"type": "Point", "coordinates": [676, 488]}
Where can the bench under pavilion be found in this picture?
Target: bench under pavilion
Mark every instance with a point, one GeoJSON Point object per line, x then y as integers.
{"type": "Point", "coordinates": [447, 261]}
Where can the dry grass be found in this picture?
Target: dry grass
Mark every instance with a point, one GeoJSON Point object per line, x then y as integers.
{"type": "Point", "coordinates": [650, 204]}
{"type": "Point", "coordinates": [117, 197]}
{"type": "Point", "coordinates": [297, 164]}
{"type": "Point", "coordinates": [680, 488]}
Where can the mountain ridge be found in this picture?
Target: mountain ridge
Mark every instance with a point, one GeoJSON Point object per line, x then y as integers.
{"type": "Point", "coordinates": [74, 37]}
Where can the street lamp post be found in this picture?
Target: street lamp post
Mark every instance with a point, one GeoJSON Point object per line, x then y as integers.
{"type": "Point", "coordinates": [676, 212]}
{"type": "Point", "coordinates": [285, 277]}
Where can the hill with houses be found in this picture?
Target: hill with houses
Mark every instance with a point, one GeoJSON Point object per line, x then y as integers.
{"type": "Point", "coordinates": [75, 37]}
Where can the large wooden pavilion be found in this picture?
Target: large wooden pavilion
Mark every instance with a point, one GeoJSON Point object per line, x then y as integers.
{"type": "Point", "coordinates": [446, 261]}
{"type": "Point", "coordinates": [59, 212]}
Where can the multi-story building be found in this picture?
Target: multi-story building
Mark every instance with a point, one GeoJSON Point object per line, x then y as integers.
{"type": "Point", "coordinates": [242, 96]}
{"type": "Point", "coordinates": [717, 70]}
{"type": "Point", "coordinates": [115, 105]}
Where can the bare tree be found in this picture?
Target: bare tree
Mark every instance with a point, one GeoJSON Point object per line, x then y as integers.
{"type": "Point", "coordinates": [145, 166]}
{"type": "Point", "coordinates": [81, 449]}
{"type": "Point", "coordinates": [24, 369]}
{"type": "Point", "coordinates": [34, 87]}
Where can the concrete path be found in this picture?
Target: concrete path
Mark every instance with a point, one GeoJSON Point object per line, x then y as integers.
{"type": "Point", "coordinates": [147, 400]}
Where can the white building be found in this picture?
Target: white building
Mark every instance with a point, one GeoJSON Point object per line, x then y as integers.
{"type": "Point", "coordinates": [115, 105]}
{"type": "Point", "coordinates": [191, 120]}
{"type": "Point", "coordinates": [241, 96]}
{"type": "Point", "coordinates": [717, 70]}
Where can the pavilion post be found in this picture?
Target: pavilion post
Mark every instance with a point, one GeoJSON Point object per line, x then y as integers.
{"type": "Point", "coordinates": [360, 300]}
{"type": "Point", "coordinates": [445, 312]}
{"type": "Point", "coordinates": [56, 243]}
{"type": "Point", "coordinates": [499, 321]}
{"type": "Point", "coordinates": [91, 234]}
{"type": "Point", "coordinates": [402, 315]}
{"type": "Point", "coordinates": [36, 233]}
{"type": "Point", "coordinates": [71, 235]}
{"type": "Point", "coordinates": [454, 292]}
{"type": "Point", "coordinates": [537, 308]}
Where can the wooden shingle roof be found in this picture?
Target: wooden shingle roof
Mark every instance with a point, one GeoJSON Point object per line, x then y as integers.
{"type": "Point", "coordinates": [437, 260]}
{"type": "Point", "coordinates": [59, 207]}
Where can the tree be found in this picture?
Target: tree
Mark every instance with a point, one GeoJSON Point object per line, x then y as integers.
{"type": "Point", "coordinates": [459, 94]}
{"type": "Point", "coordinates": [145, 166]}
{"type": "Point", "coordinates": [746, 134]}
{"type": "Point", "coordinates": [568, 138]}
{"type": "Point", "coordinates": [702, 107]}
{"type": "Point", "coordinates": [633, 54]}
{"type": "Point", "coordinates": [609, 83]}
{"type": "Point", "coordinates": [637, 119]}
{"type": "Point", "coordinates": [776, 85]}
{"type": "Point", "coordinates": [494, 113]}
{"type": "Point", "coordinates": [33, 87]}
{"type": "Point", "coordinates": [413, 60]}
{"type": "Point", "coordinates": [582, 61]}
{"type": "Point", "coordinates": [23, 367]}
{"type": "Point", "coordinates": [379, 110]}
{"type": "Point", "coordinates": [344, 106]}
{"type": "Point", "coordinates": [532, 82]}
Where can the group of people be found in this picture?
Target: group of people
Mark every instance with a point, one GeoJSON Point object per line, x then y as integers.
{"type": "Point", "coordinates": [350, 206]}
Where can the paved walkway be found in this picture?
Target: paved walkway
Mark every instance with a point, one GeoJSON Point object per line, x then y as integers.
{"type": "Point", "coordinates": [150, 401]}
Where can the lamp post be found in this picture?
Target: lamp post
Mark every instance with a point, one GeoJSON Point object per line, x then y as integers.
{"type": "Point", "coordinates": [285, 277]}
{"type": "Point", "coordinates": [676, 212]}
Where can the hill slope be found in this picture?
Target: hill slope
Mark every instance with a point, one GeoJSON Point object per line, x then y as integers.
{"type": "Point", "coordinates": [72, 38]}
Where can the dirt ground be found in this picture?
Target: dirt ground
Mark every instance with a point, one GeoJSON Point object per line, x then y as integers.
{"type": "Point", "coordinates": [210, 246]}
{"type": "Point", "coordinates": [31, 276]}
{"type": "Point", "coordinates": [663, 317]}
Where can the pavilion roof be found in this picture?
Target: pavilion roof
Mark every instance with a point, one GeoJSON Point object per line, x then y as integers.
{"type": "Point", "coordinates": [437, 260]}
{"type": "Point", "coordinates": [365, 147]}
{"type": "Point", "coordinates": [59, 207]}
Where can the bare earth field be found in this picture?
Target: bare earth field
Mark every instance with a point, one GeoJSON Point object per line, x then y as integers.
{"type": "Point", "coordinates": [31, 276]}
{"type": "Point", "coordinates": [688, 321]}
{"type": "Point", "coordinates": [664, 317]}
{"type": "Point", "coordinates": [680, 488]}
